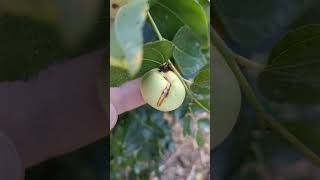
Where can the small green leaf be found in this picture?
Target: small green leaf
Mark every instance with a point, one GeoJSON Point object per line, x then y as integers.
{"type": "Point", "coordinates": [187, 125]}
{"type": "Point", "coordinates": [292, 74]}
{"type": "Point", "coordinates": [187, 52]}
{"type": "Point", "coordinates": [199, 139]}
{"type": "Point", "coordinates": [127, 40]}
{"type": "Point", "coordinates": [172, 15]}
{"type": "Point", "coordinates": [155, 54]}
{"type": "Point", "coordinates": [201, 84]}
{"type": "Point", "coordinates": [118, 76]}
{"type": "Point", "coordinates": [226, 98]}
{"type": "Point", "coordinates": [159, 51]}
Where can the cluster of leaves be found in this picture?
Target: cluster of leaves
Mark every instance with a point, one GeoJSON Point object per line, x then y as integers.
{"type": "Point", "coordinates": [184, 39]}
{"type": "Point", "coordinates": [289, 32]}
{"type": "Point", "coordinates": [138, 143]}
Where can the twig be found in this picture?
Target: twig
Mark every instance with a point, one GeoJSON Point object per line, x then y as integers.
{"type": "Point", "coordinates": [230, 58]}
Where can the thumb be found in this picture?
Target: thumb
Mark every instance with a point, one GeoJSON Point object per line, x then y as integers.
{"type": "Point", "coordinates": [125, 98]}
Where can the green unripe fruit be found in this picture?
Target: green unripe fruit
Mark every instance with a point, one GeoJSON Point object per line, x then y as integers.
{"type": "Point", "coordinates": [162, 89]}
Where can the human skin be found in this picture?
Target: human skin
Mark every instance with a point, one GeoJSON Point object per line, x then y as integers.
{"type": "Point", "coordinates": [124, 98]}
{"type": "Point", "coordinates": [59, 112]}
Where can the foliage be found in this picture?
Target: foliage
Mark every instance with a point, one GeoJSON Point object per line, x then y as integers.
{"type": "Point", "coordinates": [183, 39]}
{"type": "Point", "coordinates": [293, 68]}
{"type": "Point", "coordinates": [287, 31]}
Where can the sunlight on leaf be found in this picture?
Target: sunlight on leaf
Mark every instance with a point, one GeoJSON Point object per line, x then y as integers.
{"type": "Point", "coordinates": [187, 52]}
{"type": "Point", "coordinates": [127, 38]}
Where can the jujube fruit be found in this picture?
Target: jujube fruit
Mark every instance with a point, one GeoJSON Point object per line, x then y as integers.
{"type": "Point", "coordinates": [162, 89]}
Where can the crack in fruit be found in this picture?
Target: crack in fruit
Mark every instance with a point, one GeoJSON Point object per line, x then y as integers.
{"type": "Point", "coordinates": [164, 93]}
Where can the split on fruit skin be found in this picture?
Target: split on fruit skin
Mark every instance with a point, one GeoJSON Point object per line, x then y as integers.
{"type": "Point", "coordinates": [162, 89]}
{"type": "Point", "coordinates": [165, 92]}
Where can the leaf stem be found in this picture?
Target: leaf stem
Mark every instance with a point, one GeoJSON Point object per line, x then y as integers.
{"type": "Point", "coordinates": [187, 88]}
{"type": "Point", "coordinates": [230, 58]}
{"type": "Point", "coordinates": [249, 64]}
{"type": "Point", "coordinates": [154, 26]}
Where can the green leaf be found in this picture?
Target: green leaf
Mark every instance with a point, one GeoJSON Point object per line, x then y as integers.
{"type": "Point", "coordinates": [248, 22]}
{"type": "Point", "coordinates": [155, 54]}
{"type": "Point", "coordinates": [187, 52]}
{"type": "Point", "coordinates": [199, 138]}
{"type": "Point", "coordinates": [118, 76]}
{"type": "Point", "coordinates": [292, 74]}
{"type": "Point", "coordinates": [201, 83]}
{"type": "Point", "coordinates": [73, 18]}
{"type": "Point", "coordinates": [127, 38]}
{"type": "Point", "coordinates": [187, 125]}
{"type": "Point", "coordinates": [153, 131]}
{"type": "Point", "coordinates": [170, 16]}
{"type": "Point", "coordinates": [226, 98]}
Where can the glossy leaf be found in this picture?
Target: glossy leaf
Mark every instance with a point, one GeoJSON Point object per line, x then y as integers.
{"type": "Point", "coordinates": [187, 52]}
{"type": "Point", "coordinates": [292, 74]}
{"type": "Point", "coordinates": [171, 15]}
{"type": "Point", "coordinates": [155, 54]}
{"type": "Point", "coordinates": [201, 84]}
{"type": "Point", "coordinates": [127, 38]}
{"type": "Point", "coordinates": [226, 98]}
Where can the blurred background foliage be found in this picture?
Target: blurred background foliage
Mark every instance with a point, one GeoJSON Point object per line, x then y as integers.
{"type": "Point", "coordinates": [36, 34]}
{"type": "Point", "coordinates": [260, 31]}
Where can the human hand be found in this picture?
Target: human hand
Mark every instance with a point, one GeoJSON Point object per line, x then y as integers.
{"type": "Point", "coordinates": [124, 98]}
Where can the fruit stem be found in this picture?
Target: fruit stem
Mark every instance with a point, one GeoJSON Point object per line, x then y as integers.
{"type": "Point", "coordinates": [187, 88]}
{"type": "Point", "coordinates": [187, 81]}
{"type": "Point", "coordinates": [269, 120]}
{"type": "Point", "coordinates": [154, 26]}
